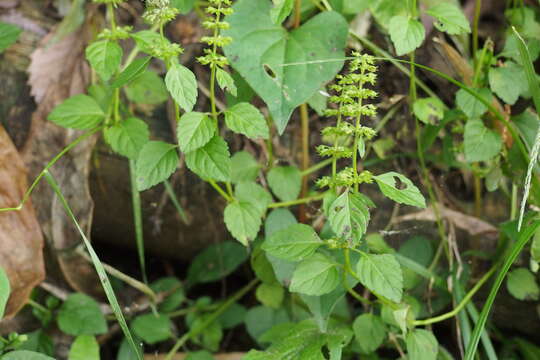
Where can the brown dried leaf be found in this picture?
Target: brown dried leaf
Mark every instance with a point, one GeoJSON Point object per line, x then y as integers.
{"type": "Point", "coordinates": [21, 241]}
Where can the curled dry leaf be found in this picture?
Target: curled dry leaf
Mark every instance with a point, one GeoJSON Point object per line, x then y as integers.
{"type": "Point", "coordinates": [21, 242]}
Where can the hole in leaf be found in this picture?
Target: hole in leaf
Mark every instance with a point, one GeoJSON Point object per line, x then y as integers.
{"type": "Point", "coordinates": [269, 71]}
{"type": "Point", "coordinates": [398, 184]}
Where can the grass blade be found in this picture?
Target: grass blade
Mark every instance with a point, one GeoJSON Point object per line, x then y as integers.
{"type": "Point", "coordinates": [137, 219]}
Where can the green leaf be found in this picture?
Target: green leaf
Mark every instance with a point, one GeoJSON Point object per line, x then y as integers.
{"type": "Point", "coordinates": [285, 182]}
{"type": "Point", "coordinates": [105, 57]}
{"type": "Point", "coordinates": [422, 345]}
{"type": "Point", "coordinates": [8, 35]}
{"type": "Point", "coordinates": [323, 306]}
{"type": "Point", "coordinates": [450, 18]}
{"type": "Point", "coordinates": [420, 251]}
{"type": "Point", "coordinates": [382, 275]}
{"type": "Point", "coordinates": [194, 130]}
{"type": "Point", "coordinates": [5, 289]}
{"type": "Point", "coordinates": [254, 194]}
{"type": "Point", "coordinates": [260, 319]}
{"type": "Point", "coordinates": [25, 355]}
{"type": "Point", "coordinates": [148, 88]}
{"type": "Point", "coordinates": [182, 85]}
{"type": "Point", "coordinates": [133, 71]}
{"type": "Point", "coordinates": [244, 167]}
{"type": "Point", "coordinates": [471, 106]}
{"type": "Point", "coordinates": [185, 6]}
{"type": "Point", "coordinates": [369, 331]}
{"type": "Point", "coordinates": [216, 261]}
{"type": "Point", "coordinates": [260, 48]}
{"type": "Point", "coordinates": [535, 249]}
{"type": "Point", "coordinates": [278, 219]}
{"type": "Point", "coordinates": [81, 315]}
{"type": "Point", "coordinates": [199, 355]}
{"type": "Point", "coordinates": [127, 137]}
{"type": "Point", "coordinates": [407, 34]}
{"type": "Point", "coordinates": [85, 347]}
{"type": "Point", "coordinates": [400, 189]}
{"type": "Point", "coordinates": [156, 162]}
{"type": "Point", "coordinates": [226, 82]}
{"type": "Point", "coordinates": [233, 316]}
{"type": "Point", "coordinates": [146, 40]}
{"type": "Point", "coordinates": [246, 119]}
{"type": "Point", "coordinates": [262, 267]}
{"type": "Point", "coordinates": [270, 295]}
{"type": "Point", "coordinates": [349, 215]}
{"type": "Point", "coordinates": [295, 242]}
{"type": "Point", "coordinates": [38, 341]}
{"type": "Point", "coordinates": [243, 220]}
{"type": "Point", "coordinates": [212, 161]}
{"type": "Point", "coordinates": [174, 290]}
{"type": "Point", "coordinates": [480, 143]}
{"type": "Point", "coordinates": [280, 11]}
{"type": "Point", "coordinates": [318, 102]}
{"type": "Point", "coordinates": [79, 112]}
{"type": "Point", "coordinates": [316, 275]}
{"type": "Point", "coordinates": [151, 328]}
{"type": "Point", "coordinates": [508, 82]}
{"type": "Point", "coordinates": [521, 283]}
{"type": "Point", "coordinates": [429, 110]}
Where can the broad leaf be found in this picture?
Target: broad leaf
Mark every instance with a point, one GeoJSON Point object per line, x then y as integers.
{"type": "Point", "coordinates": [280, 11]}
{"type": "Point", "coordinates": [243, 220]}
{"type": "Point", "coordinates": [316, 275]}
{"type": "Point", "coordinates": [226, 82]}
{"type": "Point", "coordinates": [323, 306]}
{"type": "Point", "coordinates": [349, 216]}
{"type": "Point", "coordinates": [471, 106]}
{"type": "Point", "coordinates": [127, 137]}
{"type": "Point", "coordinates": [194, 130]}
{"type": "Point", "coordinates": [382, 275]}
{"type": "Point", "coordinates": [261, 48]}
{"type": "Point", "coordinates": [422, 345]}
{"type": "Point", "coordinates": [508, 82]}
{"type": "Point", "coordinates": [260, 319]}
{"type": "Point", "coordinates": [133, 71]}
{"type": "Point", "coordinates": [105, 57]}
{"type": "Point", "coordinates": [244, 167]}
{"type": "Point", "coordinates": [285, 182]}
{"type": "Point", "coordinates": [5, 289]}
{"type": "Point", "coordinates": [295, 242]}
{"type": "Point", "coordinates": [216, 261]}
{"type": "Point", "coordinates": [147, 88]}
{"type": "Point", "coordinates": [146, 40]}
{"type": "Point", "coordinates": [400, 189]}
{"type": "Point", "coordinates": [407, 34]}
{"type": "Point", "coordinates": [25, 355]}
{"type": "Point", "coordinates": [369, 331]}
{"type": "Point", "coordinates": [156, 162]}
{"type": "Point", "coordinates": [182, 85]}
{"type": "Point", "coordinates": [480, 143]}
{"type": "Point", "coordinates": [450, 18]}
{"type": "Point", "coordinates": [212, 161]}
{"type": "Point", "coordinates": [429, 110]}
{"type": "Point", "coordinates": [8, 35]}
{"type": "Point", "coordinates": [85, 347]}
{"type": "Point", "coordinates": [254, 194]}
{"type": "Point", "coordinates": [174, 290]}
{"type": "Point", "coordinates": [270, 295]}
{"type": "Point", "coordinates": [246, 119]}
{"type": "Point", "coordinates": [521, 283]}
{"type": "Point", "coordinates": [81, 315]}
{"type": "Point", "coordinates": [152, 328]}
{"type": "Point", "coordinates": [79, 112]}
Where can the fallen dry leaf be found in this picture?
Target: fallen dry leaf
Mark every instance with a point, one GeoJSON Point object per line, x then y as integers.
{"type": "Point", "coordinates": [21, 241]}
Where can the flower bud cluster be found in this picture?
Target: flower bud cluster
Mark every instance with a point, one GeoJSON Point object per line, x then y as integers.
{"type": "Point", "coordinates": [159, 12]}
{"type": "Point", "coordinates": [118, 33]}
{"type": "Point", "coordinates": [216, 11]}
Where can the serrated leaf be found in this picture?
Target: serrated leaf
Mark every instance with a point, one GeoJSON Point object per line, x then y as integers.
{"type": "Point", "coordinates": [295, 242]}
{"type": "Point", "coordinates": [471, 106]}
{"type": "Point", "coordinates": [260, 48]}
{"type": "Point", "coordinates": [79, 112]}
{"type": "Point", "coordinates": [212, 161]}
{"type": "Point", "coordinates": [5, 290]}
{"type": "Point", "coordinates": [194, 130]}
{"type": "Point", "coordinates": [156, 162]}
{"type": "Point", "coordinates": [450, 18]}
{"type": "Point", "coordinates": [285, 182]}
{"type": "Point", "coordinates": [280, 11]}
{"type": "Point", "coordinates": [508, 82]}
{"type": "Point", "coordinates": [243, 220]}
{"type": "Point", "coordinates": [317, 275]}
{"type": "Point", "coordinates": [85, 347]}
{"type": "Point", "coordinates": [148, 88]}
{"type": "Point", "coordinates": [480, 143]}
{"type": "Point", "coordinates": [127, 137]}
{"type": "Point", "coordinates": [244, 167]}
{"type": "Point", "coordinates": [25, 355]}
{"type": "Point", "coordinates": [182, 85]}
{"type": "Point", "coordinates": [254, 194]}
{"type": "Point", "coordinates": [429, 110]}
{"type": "Point", "coordinates": [422, 345]}
{"type": "Point", "coordinates": [406, 33]}
{"type": "Point", "coordinates": [152, 328]}
{"type": "Point", "coordinates": [323, 306]}
{"type": "Point", "coordinates": [270, 295]}
{"type": "Point", "coordinates": [246, 119]}
{"type": "Point", "coordinates": [369, 331]}
{"type": "Point", "coordinates": [146, 40]}
{"type": "Point", "coordinates": [226, 82]}
{"type": "Point", "coordinates": [81, 315]}
{"type": "Point", "coordinates": [400, 189]}
{"type": "Point", "coordinates": [216, 261]}
{"type": "Point", "coordinates": [521, 284]}
{"type": "Point", "coordinates": [349, 215]}
{"type": "Point", "coordinates": [133, 71]}
{"type": "Point", "coordinates": [382, 275]}
{"type": "Point", "coordinates": [105, 57]}
{"type": "Point", "coordinates": [8, 35]}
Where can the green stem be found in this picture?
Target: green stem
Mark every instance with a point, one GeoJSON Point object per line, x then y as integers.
{"type": "Point", "coordinates": [220, 190]}
{"type": "Point", "coordinates": [514, 200]}
{"type": "Point", "coordinates": [316, 167]}
{"type": "Point", "coordinates": [297, 201]}
{"type": "Point", "coordinates": [348, 269]}
{"type": "Point", "coordinates": [176, 203]}
{"type": "Point", "coordinates": [476, 20]}
{"type": "Point", "coordinates": [197, 330]}
{"type": "Point", "coordinates": [38, 306]}
{"type": "Point", "coordinates": [137, 219]}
